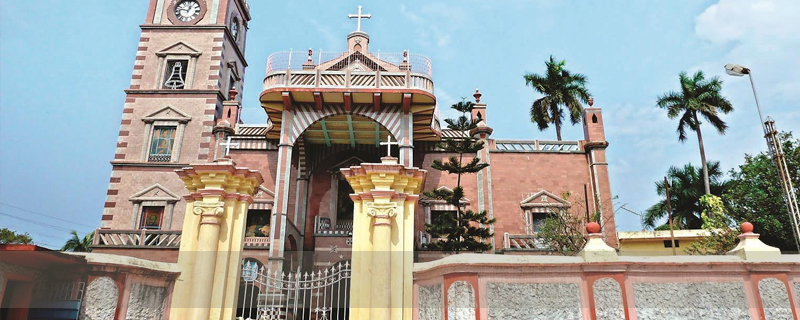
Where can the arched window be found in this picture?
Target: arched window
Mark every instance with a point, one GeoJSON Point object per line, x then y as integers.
{"type": "Point", "coordinates": [235, 28]}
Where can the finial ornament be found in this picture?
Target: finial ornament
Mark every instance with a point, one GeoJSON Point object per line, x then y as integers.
{"type": "Point", "coordinates": [477, 95]}
{"type": "Point", "coordinates": [359, 16]}
{"type": "Point", "coordinates": [591, 102]}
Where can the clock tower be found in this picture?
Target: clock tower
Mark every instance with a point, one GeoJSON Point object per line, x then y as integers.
{"type": "Point", "coordinates": [187, 76]}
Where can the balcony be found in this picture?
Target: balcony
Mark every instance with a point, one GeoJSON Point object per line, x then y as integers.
{"type": "Point", "coordinates": [522, 242]}
{"type": "Point", "coordinates": [323, 227]}
{"type": "Point", "coordinates": [256, 242]}
{"type": "Point", "coordinates": [156, 239]}
{"type": "Point", "coordinates": [326, 69]}
{"type": "Point", "coordinates": [361, 82]}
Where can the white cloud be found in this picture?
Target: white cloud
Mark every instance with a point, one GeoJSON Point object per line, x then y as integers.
{"type": "Point", "coordinates": [434, 22]}
{"type": "Point", "coordinates": [763, 35]}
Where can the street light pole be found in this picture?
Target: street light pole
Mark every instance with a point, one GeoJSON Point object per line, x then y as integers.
{"type": "Point", "coordinates": [758, 105]}
{"type": "Point", "coordinates": [776, 151]}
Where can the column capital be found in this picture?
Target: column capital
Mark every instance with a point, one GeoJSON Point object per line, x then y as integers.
{"type": "Point", "coordinates": [382, 213]}
{"type": "Point", "coordinates": [210, 213]}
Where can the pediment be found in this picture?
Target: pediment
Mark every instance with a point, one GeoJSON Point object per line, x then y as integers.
{"type": "Point", "coordinates": [356, 61]}
{"type": "Point", "coordinates": [264, 195]}
{"type": "Point", "coordinates": [167, 114]}
{"type": "Point", "coordinates": [352, 161]}
{"type": "Point", "coordinates": [156, 192]}
{"type": "Point", "coordinates": [179, 48]}
{"type": "Point", "coordinates": [544, 198]}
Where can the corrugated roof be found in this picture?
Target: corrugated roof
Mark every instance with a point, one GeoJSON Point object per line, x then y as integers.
{"type": "Point", "coordinates": [447, 133]}
{"type": "Point", "coordinates": [252, 130]}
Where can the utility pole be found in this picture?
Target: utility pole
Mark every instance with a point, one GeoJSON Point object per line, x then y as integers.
{"type": "Point", "coordinates": [669, 212]}
{"type": "Point", "coordinates": [776, 150]}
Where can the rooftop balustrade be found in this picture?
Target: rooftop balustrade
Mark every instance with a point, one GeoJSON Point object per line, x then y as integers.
{"type": "Point", "coordinates": [321, 70]}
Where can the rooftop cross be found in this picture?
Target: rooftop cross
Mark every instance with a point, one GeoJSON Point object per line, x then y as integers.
{"type": "Point", "coordinates": [359, 16]}
{"type": "Point", "coordinates": [228, 146]}
{"type": "Point", "coordinates": [389, 145]}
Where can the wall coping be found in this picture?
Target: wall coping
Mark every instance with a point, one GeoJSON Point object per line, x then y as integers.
{"type": "Point", "coordinates": [473, 259]}
{"type": "Point", "coordinates": [126, 261]}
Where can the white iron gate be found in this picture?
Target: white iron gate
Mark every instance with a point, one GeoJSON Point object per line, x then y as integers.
{"type": "Point", "coordinates": [273, 295]}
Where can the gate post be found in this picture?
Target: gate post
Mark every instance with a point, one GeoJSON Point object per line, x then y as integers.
{"type": "Point", "coordinates": [212, 239]}
{"type": "Point", "coordinates": [385, 196]}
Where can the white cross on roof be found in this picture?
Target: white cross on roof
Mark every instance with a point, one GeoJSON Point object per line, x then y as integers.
{"type": "Point", "coordinates": [228, 145]}
{"type": "Point", "coordinates": [389, 145]}
{"type": "Point", "coordinates": [359, 16]}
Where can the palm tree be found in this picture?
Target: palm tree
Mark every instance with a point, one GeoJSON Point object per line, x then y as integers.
{"type": "Point", "coordinates": [560, 88]}
{"type": "Point", "coordinates": [76, 244]}
{"type": "Point", "coordinates": [697, 96]}
{"type": "Point", "coordinates": [686, 188]}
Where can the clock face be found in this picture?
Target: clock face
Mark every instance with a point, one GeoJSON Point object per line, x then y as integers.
{"type": "Point", "coordinates": [187, 10]}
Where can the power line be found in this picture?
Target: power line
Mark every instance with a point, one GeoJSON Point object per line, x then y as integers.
{"type": "Point", "coordinates": [49, 216]}
{"type": "Point", "coordinates": [36, 222]}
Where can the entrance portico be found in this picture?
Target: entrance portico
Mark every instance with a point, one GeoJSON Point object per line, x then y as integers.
{"type": "Point", "coordinates": [326, 107]}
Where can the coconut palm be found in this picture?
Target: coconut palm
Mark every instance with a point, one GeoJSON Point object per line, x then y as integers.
{"type": "Point", "coordinates": [698, 97]}
{"type": "Point", "coordinates": [78, 244]}
{"type": "Point", "coordinates": [560, 88]}
{"type": "Point", "coordinates": [686, 188]}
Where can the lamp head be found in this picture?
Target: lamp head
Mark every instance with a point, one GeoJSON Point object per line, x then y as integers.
{"type": "Point", "coordinates": [736, 70]}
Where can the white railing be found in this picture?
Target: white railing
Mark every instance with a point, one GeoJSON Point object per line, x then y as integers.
{"type": "Point", "coordinates": [345, 79]}
{"type": "Point", "coordinates": [294, 60]}
{"type": "Point", "coordinates": [256, 242]}
{"type": "Point", "coordinates": [170, 239]}
{"type": "Point", "coordinates": [522, 242]}
{"type": "Point", "coordinates": [323, 226]}
{"type": "Point", "coordinates": [537, 146]}
{"type": "Point", "coordinates": [268, 294]}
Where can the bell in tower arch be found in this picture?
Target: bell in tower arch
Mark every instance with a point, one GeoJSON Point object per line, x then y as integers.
{"type": "Point", "coordinates": [176, 77]}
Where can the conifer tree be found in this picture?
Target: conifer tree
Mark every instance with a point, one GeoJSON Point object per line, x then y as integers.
{"type": "Point", "coordinates": [463, 230]}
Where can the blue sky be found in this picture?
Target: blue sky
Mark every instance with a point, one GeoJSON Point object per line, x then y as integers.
{"type": "Point", "coordinates": [63, 66]}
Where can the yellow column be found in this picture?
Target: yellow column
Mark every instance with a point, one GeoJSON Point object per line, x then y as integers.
{"type": "Point", "coordinates": [205, 259]}
{"type": "Point", "coordinates": [211, 240]}
{"type": "Point", "coordinates": [385, 196]}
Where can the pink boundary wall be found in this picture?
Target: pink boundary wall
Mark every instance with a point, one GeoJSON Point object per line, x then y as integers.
{"type": "Point", "coordinates": [480, 270]}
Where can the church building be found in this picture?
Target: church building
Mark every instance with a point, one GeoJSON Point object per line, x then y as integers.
{"type": "Point", "coordinates": [324, 111]}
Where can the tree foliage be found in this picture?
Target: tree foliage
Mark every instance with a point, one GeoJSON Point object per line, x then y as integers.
{"type": "Point", "coordinates": [560, 88]}
{"type": "Point", "coordinates": [721, 237]}
{"type": "Point", "coordinates": [8, 236]}
{"type": "Point", "coordinates": [78, 244]}
{"type": "Point", "coordinates": [686, 188]}
{"type": "Point", "coordinates": [755, 194]}
{"type": "Point", "coordinates": [563, 231]}
{"type": "Point", "coordinates": [462, 230]}
{"type": "Point", "coordinates": [697, 98]}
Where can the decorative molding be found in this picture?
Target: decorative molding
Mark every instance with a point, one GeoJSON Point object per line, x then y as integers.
{"type": "Point", "coordinates": [179, 49]}
{"type": "Point", "coordinates": [531, 201]}
{"type": "Point", "coordinates": [145, 194]}
{"type": "Point", "coordinates": [165, 114]}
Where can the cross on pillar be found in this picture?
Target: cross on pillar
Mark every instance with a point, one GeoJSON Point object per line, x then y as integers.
{"type": "Point", "coordinates": [359, 16]}
{"type": "Point", "coordinates": [228, 146]}
{"type": "Point", "coordinates": [389, 145]}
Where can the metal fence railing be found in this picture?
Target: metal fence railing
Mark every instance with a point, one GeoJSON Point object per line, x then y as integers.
{"type": "Point", "coordinates": [295, 59]}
